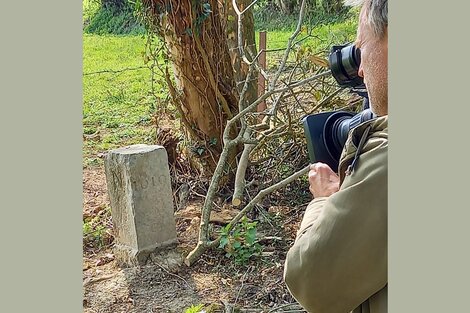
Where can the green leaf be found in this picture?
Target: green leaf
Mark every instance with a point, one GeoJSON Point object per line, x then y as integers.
{"type": "Point", "coordinates": [224, 232]}
{"type": "Point", "coordinates": [223, 242]}
{"type": "Point", "coordinates": [236, 234]}
{"type": "Point", "coordinates": [213, 141]}
{"type": "Point", "coordinates": [251, 236]}
{"type": "Point", "coordinates": [251, 225]}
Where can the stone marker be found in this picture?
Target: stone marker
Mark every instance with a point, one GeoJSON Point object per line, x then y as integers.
{"type": "Point", "coordinates": [139, 188]}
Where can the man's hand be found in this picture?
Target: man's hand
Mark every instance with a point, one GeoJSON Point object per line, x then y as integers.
{"type": "Point", "coordinates": [323, 181]}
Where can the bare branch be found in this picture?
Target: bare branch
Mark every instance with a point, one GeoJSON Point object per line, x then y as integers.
{"type": "Point", "coordinates": [241, 170]}
{"type": "Point", "coordinates": [271, 92]}
{"type": "Point", "coordinates": [289, 44]}
{"type": "Point", "coordinates": [249, 6]}
{"type": "Point", "coordinates": [240, 40]}
{"type": "Point", "coordinates": [326, 100]}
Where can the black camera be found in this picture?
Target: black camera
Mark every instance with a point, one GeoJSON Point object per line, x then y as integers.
{"type": "Point", "coordinates": [326, 132]}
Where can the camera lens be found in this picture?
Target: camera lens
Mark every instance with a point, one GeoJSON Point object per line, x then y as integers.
{"type": "Point", "coordinates": [344, 64]}
{"type": "Point", "coordinates": [351, 59]}
{"type": "Point", "coordinates": [338, 125]}
{"type": "Point", "coordinates": [335, 130]}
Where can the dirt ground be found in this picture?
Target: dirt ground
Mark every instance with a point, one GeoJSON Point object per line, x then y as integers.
{"type": "Point", "coordinates": [164, 284]}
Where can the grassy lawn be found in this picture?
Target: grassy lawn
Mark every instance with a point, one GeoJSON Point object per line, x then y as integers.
{"type": "Point", "coordinates": [119, 105]}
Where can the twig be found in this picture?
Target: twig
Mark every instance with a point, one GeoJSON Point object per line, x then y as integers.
{"type": "Point", "coordinates": [285, 306]}
{"type": "Point", "coordinates": [241, 287]}
{"type": "Point", "coordinates": [326, 100]}
{"type": "Point", "coordinates": [289, 44]}
{"type": "Point", "coordinates": [91, 280]}
{"type": "Point", "coordinates": [232, 121]}
{"type": "Point", "coordinates": [270, 238]}
{"type": "Point", "coordinates": [227, 307]}
{"type": "Point", "coordinates": [254, 60]}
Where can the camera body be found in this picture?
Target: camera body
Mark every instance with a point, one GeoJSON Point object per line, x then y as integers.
{"type": "Point", "coordinates": [327, 132]}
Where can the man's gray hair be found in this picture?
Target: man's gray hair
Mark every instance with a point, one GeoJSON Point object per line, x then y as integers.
{"type": "Point", "coordinates": [377, 14]}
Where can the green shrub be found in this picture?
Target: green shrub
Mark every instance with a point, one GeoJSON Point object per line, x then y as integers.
{"type": "Point", "coordinates": [269, 17]}
{"type": "Point", "coordinates": [240, 243]}
{"type": "Point", "coordinates": [112, 20]}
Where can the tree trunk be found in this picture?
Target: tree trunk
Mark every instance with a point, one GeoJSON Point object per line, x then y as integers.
{"type": "Point", "coordinates": [206, 91]}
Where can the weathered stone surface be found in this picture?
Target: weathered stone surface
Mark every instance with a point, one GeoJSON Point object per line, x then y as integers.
{"type": "Point", "coordinates": [139, 188]}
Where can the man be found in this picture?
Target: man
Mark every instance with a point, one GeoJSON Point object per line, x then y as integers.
{"type": "Point", "coordinates": [338, 262]}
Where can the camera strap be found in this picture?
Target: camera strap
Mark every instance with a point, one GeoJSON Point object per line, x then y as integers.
{"type": "Point", "coordinates": [351, 166]}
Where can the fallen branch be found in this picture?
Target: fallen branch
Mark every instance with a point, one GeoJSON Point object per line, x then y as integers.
{"type": "Point", "coordinates": [91, 280]}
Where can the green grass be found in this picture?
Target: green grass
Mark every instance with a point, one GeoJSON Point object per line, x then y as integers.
{"type": "Point", "coordinates": [117, 105]}
{"type": "Point", "coordinates": [322, 36]}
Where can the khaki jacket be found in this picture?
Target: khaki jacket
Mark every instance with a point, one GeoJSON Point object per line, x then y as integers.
{"type": "Point", "coordinates": [338, 262]}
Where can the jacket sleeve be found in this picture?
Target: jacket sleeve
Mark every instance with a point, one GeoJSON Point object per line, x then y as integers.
{"type": "Point", "coordinates": [339, 258]}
